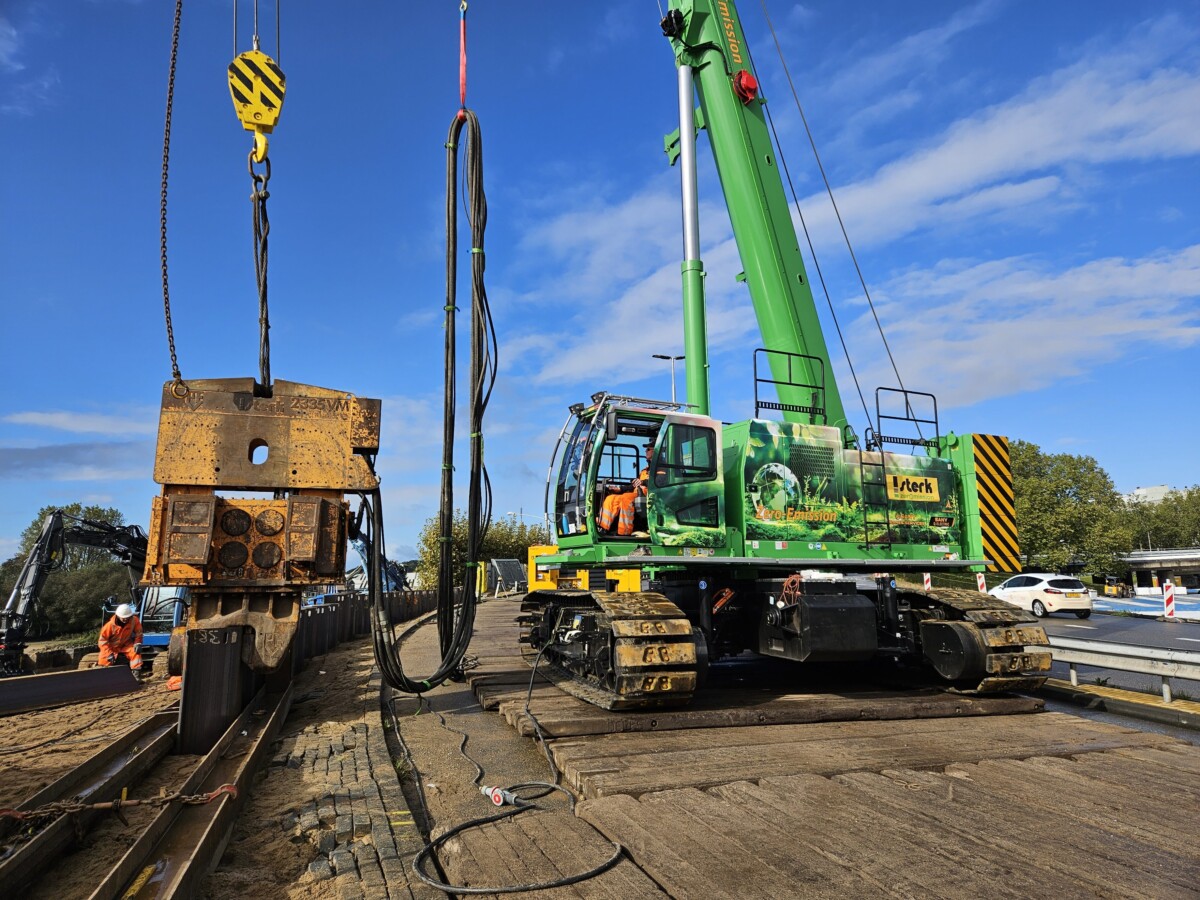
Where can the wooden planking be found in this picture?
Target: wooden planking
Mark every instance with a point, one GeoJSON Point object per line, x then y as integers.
{"type": "Point", "coordinates": [724, 709]}
{"type": "Point", "coordinates": [640, 763]}
{"type": "Point", "coordinates": [881, 848]}
{"type": "Point", "coordinates": [580, 846]}
{"type": "Point", "coordinates": [1033, 782]}
{"type": "Point", "coordinates": [541, 846]}
{"type": "Point", "coordinates": [1055, 733]}
{"type": "Point", "coordinates": [745, 841]}
{"type": "Point", "coordinates": [666, 850]}
{"type": "Point", "coordinates": [903, 834]}
{"type": "Point", "coordinates": [1133, 776]}
{"type": "Point", "coordinates": [1178, 757]}
{"type": "Point", "coordinates": [951, 808]}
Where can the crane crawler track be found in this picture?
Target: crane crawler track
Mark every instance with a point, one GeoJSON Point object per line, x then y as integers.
{"type": "Point", "coordinates": [614, 650]}
{"type": "Point", "coordinates": [1003, 643]}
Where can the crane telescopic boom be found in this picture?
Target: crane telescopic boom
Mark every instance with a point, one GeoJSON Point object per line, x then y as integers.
{"type": "Point", "coordinates": [707, 38]}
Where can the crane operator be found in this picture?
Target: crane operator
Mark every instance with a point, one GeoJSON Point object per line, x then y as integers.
{"type": "Point", "coordinates": [122, 636]}
{"type": "Point", "coordinates": [620, 506]}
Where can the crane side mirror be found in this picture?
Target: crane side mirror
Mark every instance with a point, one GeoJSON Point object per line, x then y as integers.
{"type": "Point", "coordinates": [610, 425]}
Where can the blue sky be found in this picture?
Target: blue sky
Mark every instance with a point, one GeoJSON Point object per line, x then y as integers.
{"type": "Point", "coordinates": [1019, 180]}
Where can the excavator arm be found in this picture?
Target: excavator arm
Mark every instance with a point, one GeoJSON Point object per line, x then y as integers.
{"type": "Point", "coordinates": [127, 543]}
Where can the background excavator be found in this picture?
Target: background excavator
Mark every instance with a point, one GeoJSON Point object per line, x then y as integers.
{"type": "Point", "coordinates": [159, 611]}
{"type": "Point", "coordinates": [778, 536]}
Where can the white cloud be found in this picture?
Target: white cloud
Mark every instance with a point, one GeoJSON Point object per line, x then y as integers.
{"type": "Point", "coordinates": [922, 51]}
{"type": "Point", "coordinates": [10, 47]}
{"type": "Point", "coordinates": [86, 423]}
{"type": "Point", "coordinates": [1018, 327]}
{"type": "Point", "coordinates": [1121, 106]}
{"type": "Point", "coordinates": [91, 461]}
{"type": "Point", "coordinates": [30, 95]}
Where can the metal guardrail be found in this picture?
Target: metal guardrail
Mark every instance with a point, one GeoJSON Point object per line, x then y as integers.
{"type": "Point", "coordinates": [1166, 664]}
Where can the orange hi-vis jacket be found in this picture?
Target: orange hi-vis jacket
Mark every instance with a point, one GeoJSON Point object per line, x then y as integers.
{"type": "Point", "coordinates": [118, 639]}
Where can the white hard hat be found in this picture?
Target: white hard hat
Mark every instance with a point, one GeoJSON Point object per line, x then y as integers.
{"type": "Point", "coordinates": [124, 611]}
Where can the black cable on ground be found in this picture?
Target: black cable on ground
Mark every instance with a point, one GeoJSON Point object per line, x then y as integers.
{"type": "Point", "coordinates": [508, 889]}
{"type": "Point", "coordinates": [520, 803]}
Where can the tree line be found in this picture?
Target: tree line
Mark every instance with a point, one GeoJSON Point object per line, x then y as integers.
{"type": "Point", "coordinates": [1070, 515]}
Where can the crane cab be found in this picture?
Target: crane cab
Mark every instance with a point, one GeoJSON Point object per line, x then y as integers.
{"type": "Point", "coordinates": [636, 471]}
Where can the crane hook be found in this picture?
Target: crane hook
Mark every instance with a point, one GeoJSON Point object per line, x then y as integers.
{"type": "Point", "coordinates": [257, 86]}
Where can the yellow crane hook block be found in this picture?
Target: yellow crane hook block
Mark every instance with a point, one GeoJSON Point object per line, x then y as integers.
{"type": "Point", "coordinates": [257, 86]}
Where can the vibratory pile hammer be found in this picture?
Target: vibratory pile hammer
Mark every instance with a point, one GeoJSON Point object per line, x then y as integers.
{"type": "Point", "coordinates": [252, 512]}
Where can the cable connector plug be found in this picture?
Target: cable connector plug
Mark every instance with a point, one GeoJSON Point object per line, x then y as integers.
{"type": "Point", "coordinates": [498, 795]}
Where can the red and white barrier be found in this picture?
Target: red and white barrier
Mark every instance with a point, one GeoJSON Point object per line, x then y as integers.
{"type": "Point", "coordinates": [980, 582]}
{"type": "Point", "coordinates": [1168, 599]}
{"type": "Point", "coordinates": [926, 581]}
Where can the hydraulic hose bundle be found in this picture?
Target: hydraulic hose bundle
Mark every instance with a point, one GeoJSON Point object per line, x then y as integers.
{"type": "Point", "coordinates": [456, 616]}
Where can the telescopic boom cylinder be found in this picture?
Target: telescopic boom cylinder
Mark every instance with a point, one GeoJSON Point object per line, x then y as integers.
{"type": "Point", "coordinates": [695, 336]}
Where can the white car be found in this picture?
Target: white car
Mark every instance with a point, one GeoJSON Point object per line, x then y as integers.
{"type": "Point", "coordinates": [1042, 593]}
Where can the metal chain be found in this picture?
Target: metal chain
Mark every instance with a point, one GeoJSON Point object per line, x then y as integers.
{"type": "Point", "coordinates": [66, 807]}
{"type": "Point", "coordinates": [175, 375]}
{"type": "Point", "coordinates": [262, 228]}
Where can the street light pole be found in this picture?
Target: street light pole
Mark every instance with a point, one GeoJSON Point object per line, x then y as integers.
{"type": "Point", "coordinates": [672, 361]}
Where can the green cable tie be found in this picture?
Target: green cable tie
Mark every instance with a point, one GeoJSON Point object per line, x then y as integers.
{"type": "Point", "coordinates": [448, 308]}
{"type": "Point", "coordinates": [444, 466]}
{"type": "Point", "coordinates": [450, 145]}
{"type": "Point", "coordinates": [426, 683]}
{"type": "Point", "coordinates": [471, 565]}
{"type": "Point", "coordinates": [476, 249]}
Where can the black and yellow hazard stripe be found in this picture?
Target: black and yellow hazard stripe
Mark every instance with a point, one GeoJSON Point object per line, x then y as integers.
{"type": "Point", "coordinates": [997, 515]}
{"type": "Point", "coordinates": [257, 86]}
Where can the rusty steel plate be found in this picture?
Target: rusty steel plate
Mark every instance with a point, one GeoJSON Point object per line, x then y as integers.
{"type": "Point", "coordinates": [29, 692]}
{"type": "Point", "coordinates": [219, 433]}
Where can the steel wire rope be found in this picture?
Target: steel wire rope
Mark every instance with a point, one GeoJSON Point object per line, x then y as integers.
{"type": "Point", "coordinates": [261, 223]}
{"type": "Point", "coordinates": [787, 173]}
{"type": "Point", "coordinates": [825, 178]}
{"type": "Point", "coordinates": [262, 229]}
{"type": "Point", "coordinates": [176, 377]}
{"type": "Point", "coordinates": [837, 212]}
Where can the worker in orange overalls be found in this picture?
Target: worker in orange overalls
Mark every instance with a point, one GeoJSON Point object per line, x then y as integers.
{"type": "Point", "coordinates": [619, 506]}
{"type": "Point", "coordinates": [122, 636]}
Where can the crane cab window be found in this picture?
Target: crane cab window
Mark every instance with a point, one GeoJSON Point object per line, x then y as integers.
{"type": "Point", "coordinates": [619, 463]}
{"type": "Point", "coordinates": [688, 454]}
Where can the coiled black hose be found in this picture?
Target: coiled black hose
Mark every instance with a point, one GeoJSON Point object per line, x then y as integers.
{"type": "Point", "coordinates": [456, 616]}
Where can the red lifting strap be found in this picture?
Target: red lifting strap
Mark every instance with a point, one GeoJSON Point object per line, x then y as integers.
{"type": "Point", "coordinates": [462, 55]}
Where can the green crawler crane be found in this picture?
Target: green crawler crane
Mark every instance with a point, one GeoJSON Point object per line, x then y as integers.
{"type": "Point", "coordinates": [781, 534]}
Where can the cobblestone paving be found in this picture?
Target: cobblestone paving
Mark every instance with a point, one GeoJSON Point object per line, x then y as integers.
{"type": "Point", "coordinates": [328, 818]}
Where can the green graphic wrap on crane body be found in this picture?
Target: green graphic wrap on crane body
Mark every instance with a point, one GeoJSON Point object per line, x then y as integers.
{"type": "Point", "coordinates": [801, 485]}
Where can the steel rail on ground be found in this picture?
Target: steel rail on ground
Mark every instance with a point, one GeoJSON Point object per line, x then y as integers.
{"type": "Point", "coordinates": [98, 779]}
